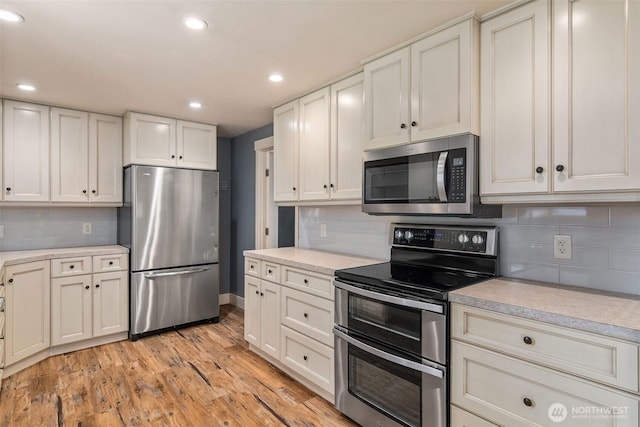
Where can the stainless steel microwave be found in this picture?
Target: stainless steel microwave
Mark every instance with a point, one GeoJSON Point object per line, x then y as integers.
{"type": "Point", "coordinates": [433, 177]}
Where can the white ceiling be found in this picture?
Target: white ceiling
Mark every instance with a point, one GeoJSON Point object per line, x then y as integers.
{"type": "Point", "coordinates": [111, 56]}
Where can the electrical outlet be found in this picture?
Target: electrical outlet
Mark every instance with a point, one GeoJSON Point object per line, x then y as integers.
{"type": "Point", "coordinates": [86, 228]}
{"type": "Point", "coordinates": [323, 230]}
{"type": "Point", "coordinates": [562, 247]}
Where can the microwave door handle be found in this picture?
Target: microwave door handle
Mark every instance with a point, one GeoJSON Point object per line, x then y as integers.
{"type": "Point", "coordinates": [441, 177]}
{"type": "Point", "coordinates": [389, 357]}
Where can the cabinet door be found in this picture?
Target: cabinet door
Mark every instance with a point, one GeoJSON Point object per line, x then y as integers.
{"type": "Point", "coordinates": [26, 152]}
{"type": "Point", "coordinates": [110, 303]}
{"type": "Point", "coordinates": [596, 75]}
{"type": "Point", "coordinates": [347, 138]}
{"type": "Point", "coordinates": [105, 159]}
{"type": "Point", "coordinates": [270, 318]}
{"type": "Point", "coordinates": [444, 82]}
{"type": "Point", "coordinates": [197, 145]}
{"type": "Point", "coordinates": [28, 308]}
{"type": "Point", "coordinates": [69, 155]}
{"type": "Point", "coordinates": [151, 140]}
{"type": "Point", "coordinates": [285, 152]}
{"type": "Point", "coordinates": [386, 100]}
{"type": "Point", "coordinates": [314, 145]}
{"type": "Point", "coordinates": [71, 309]}
{"type": "Point", "coordinates": [514, 139]}
{"type": "Point", "coordinates": [252, 310]}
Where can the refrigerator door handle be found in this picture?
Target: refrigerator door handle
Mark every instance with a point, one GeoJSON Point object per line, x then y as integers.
{"type": "Point", "coordinates": [176, 273]}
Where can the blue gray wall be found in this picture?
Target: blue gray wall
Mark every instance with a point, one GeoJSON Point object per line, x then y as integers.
{"type": "Point", "coordinates": [243, 202]}
{"type": "Point", "coordinates": [224, 167]}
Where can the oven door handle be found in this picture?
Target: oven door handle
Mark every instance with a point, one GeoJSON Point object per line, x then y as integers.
{"type": "Point", "coordinates": [440, 176]}
{"type": "Point", "coordinates": [420, 305]}
{"type": "Point", "coordinates": [434, 372]}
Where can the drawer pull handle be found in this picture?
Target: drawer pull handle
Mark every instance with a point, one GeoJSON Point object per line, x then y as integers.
{"type": "Point", "coordinates": [306, 315]}
{"type": "Point", "coordinates": [527, 340]}
{"type": "Point", "coordinates": [527, 402]}
{"type": "Point", "coordinates": [306, 281]}
{"type": "Point", "coordinates": [305, 357]}
{"type": "Point", "coordinates": [71, 267]}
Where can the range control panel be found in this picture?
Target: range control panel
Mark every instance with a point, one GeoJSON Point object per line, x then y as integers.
{"type": "Point", "coordinates": [482, 240]}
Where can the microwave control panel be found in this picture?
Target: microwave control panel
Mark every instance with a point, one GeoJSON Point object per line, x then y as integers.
{"type": "Point", "coordinates": [457, 176]}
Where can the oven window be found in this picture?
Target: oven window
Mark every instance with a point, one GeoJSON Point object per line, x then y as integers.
{"type": "Point", "coordinates": [388, 323]}
{"type": "Point", "coordinates": [409, 179]}
{"type": "Point", "coordinates": [386, 386]}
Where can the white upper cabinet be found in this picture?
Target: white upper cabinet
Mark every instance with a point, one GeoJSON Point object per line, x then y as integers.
{"type": "Point", "coordinates": [105, 159]}
{"type": "Point", "coordinates": [196, 145]}
{"type": "Point", "coordinates": [69, 155]}
{"type": "Point", "coordinates": [86, 157]}
{"type": "Point", "coordinates": [160, 141]}
{"type": "Point", "coordinates": [427, 90]}
{"type": "Point", "coordinates": [285, 146]}
{"type": "Point", "coordinates": [514, 142]}
{"type": "Point", "coordinates": [347, 138]}
{"type": "Point", "coordinates": [314, 145]}
{"type": "Point", "coordinates": [25, 152]}
{"type": "Point", "coordinates": [386, 88]}
{"type": "Point", "coordinates": [596, 98]}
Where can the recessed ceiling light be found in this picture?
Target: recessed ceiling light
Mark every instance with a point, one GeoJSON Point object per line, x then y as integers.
{"type": "Point", "coordinates": [9, 16]}
{"type": "Point", "coordinates": [276, 77]}
{"type": "Point", "coordinates": [195, 105]}
{"type": "Point", "coordinates": [195, 23]}
{"type": "Point", "coordinates": [27, 87]}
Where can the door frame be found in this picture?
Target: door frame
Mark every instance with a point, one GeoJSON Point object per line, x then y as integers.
{"type": "Point", "coordinates": [262, 148]}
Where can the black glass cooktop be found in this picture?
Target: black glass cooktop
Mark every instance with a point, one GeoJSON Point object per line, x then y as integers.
{"type": "Point", "coordinates": [419, 282]}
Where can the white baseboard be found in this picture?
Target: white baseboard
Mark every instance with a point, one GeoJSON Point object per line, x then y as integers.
{"type": "Point", "coordinates": [234, 299]}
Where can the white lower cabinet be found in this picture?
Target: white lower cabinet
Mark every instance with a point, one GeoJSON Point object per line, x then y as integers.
{"type": "Point", "coordinates": [70, 309]}
{"type": "Point", "coordinates": [289, 321]}
{"type": "Point", "coordinates": [110, 303]}
{"type": "Point", "coordinates": [515, 372]}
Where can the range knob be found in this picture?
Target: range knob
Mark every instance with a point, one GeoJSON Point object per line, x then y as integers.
{"type": "Point", "coordinates": [408, 235]}
{"type": "Point", "coordinates": [399, 234]}
{"type": "Point", "coordinates": [463, 238]}
{"type": "Point", "coordinates": [477, 239]}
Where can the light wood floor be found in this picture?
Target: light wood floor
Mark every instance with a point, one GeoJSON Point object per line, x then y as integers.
{"type": "Point", "coordinates": [200, 376]}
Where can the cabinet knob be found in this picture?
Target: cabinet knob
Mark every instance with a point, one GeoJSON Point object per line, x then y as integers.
{"type": "Point", "coordinates": [257, 292]}
{"type": "Point", "coordinates": [414, 124]}
{"type": "Point", "coordinates": [71, 267]}
{"type": "Point", "coordinates": [539, 169]}
{"type": "Point", "coordinates": [84, 191]}
{"type": "Point", "coordinates": [527, 402]}
{"type": "Point", "coordinates": [331, 185]}
{"type": "Point", "coordinates": [261, 294]}
{"type": "Point", "coordinates": [251, 267]}
{"type": "Point", "coordinates": [173, 156]}
{"type": "Point", "coordinates": [305, 281]}
{"type": "Point", "coordinates": [8, 189]}
{"type": "Point", "coordinates": [97, 285]}
{"type": "Point", "coordinates": [527, 340]}
{"type": "Point", "coordinates": [110, 262]}
{"type": "Point", "coordinates": [294, 188]}
{"type": "Point", "coordinates": [305, 357]}
{"type": "Point", "coordinates": [87, 287]}
{"type": "Point", "coordinates": [402, 126]}
{"type": "Point", "coordinates": [180, 157]}
{"type": "Point", "coordinates": [560, 168]}
{"type": "Point", "coordinates": [94, 191]}
{"type": "Point", "coordinates": [306, 315]}
{"type": "Point", "coordinates": [325, 186]}
{"type": "Point", "coordinates": [269, 271]}
{"type": "Point", "coordinates": [10, 280]}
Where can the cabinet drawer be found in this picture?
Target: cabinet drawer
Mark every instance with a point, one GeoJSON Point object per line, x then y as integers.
{"type": "Point", "coordinates": [308, 314]}
{"type": "Point", "coordinates": [64, 267]}
{"type": "Point", "coordinates": [270, 271]}
{"type": "Point", "coordinates": [307, 357]}
{"type": "Point", "coordinates": [462, 418]}
{"type": "Point", "coordinates": [591, 356]}
{"type": "Point", "coordinates": [309, 282]}
{"type": "Point", "coordinates": [116, 262]}
{"type": "Point", "coordinates": [514, 393]}
{"type": "Point", "coordinates": [252, 267]}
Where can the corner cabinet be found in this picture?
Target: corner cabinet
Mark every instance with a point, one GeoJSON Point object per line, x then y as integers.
{"type": "Point", "coordinates": [161, 141]}
{"type": "Point", "coordinates": [27, 310]}
{"type": "Point", "coordinates": [25, 158]}
{"type": "Point", "coordinates": [587, 147]}
{"type": "Point", "coordinates": [318, 143]}
{"type": "Point", "coordinates": [86, 157]}
{"type": "Point", "coordinates": [426, 90]}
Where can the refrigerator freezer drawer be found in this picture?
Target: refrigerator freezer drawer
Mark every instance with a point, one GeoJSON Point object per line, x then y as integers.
{"type": "Point", "coordinates": [165, 298]}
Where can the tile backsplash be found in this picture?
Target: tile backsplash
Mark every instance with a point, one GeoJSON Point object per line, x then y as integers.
{"type": "Point", "coordinates": [605, 240]}
{"type": "Point", "coordinates": [56, 227]}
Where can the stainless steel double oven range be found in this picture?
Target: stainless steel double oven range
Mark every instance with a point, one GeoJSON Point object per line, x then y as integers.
{"type": "Point", "coordinates": [391, 324]}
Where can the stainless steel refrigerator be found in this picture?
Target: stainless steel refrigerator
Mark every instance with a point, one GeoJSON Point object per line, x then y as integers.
{"type": "Point", "coordinates": [169, 221]}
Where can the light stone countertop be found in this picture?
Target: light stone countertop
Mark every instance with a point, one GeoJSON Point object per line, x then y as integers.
{"type": "Point", "coordinates": [19, 257]}
{"type": "Point", "coordinates": [605, 313]}
{"type": "Point", "coordinates": [312, 260]}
